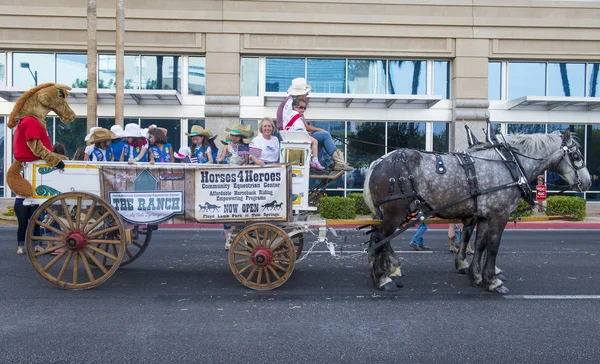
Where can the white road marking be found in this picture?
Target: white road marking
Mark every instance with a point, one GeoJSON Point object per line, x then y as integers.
{"type": "Point", "coordinates": [553, 297]}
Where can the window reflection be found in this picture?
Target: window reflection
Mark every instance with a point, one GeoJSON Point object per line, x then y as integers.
{"type": "Point", "coordinates": [249, 77]}
{"type": "Point", "coordinates": [441, 79]}
{"type": "Point", "coordinates": [592, 158]}
{"type": "Point", "coordinates": [494, 80]}
{"type": "Point", "coordinates": [360, 155]}
{"type": "Point", "coordinates": [197, 75]}
{"type": "Point", "coordinates": [70, 135]}
{"type": "Point", "coordinates": [31, 69]}
{"type": "Point", "coordinates": [577, 131]}
{"type": "Point", "coordinates": [441, 137]}
{"type": "Point", "coordinates": [366, 76]}
{"type": "Point", "coordinates": [327, 75]}
{"type": "Point", "coordinates": [526, 128]}
{"type": "Point", "coordinates": [281, 71]}
{"type": "Point", "coordinates": [405, 135]}
{"type": "Point", "coordinates": [2, 69]}
{"type": "Point", "coordinates": [2, 121]}
{"type": "Point", "coordinates": [593, 70]}
{"type": "Point", "coordinates": [337, 131]}
{"type": "Point", "coordinates": [107, 123]}
{"type": "Point", "coordinates": [173, 127]}
{"type": "Point", "coordinates": [407, 77]}
{"type": "Point", "coordinates": [71, 69]}
{"type": "Point", "coordinates": [107, 70]}
{"type": "Point", "coordinates": [161, 73]}
{"type": "Point", "coordinates": [526, 79]}
{"type": "Point", "coordinates": [566, 79]}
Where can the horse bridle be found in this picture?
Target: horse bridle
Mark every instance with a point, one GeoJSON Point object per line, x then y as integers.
{"type": "Point", "coordinates": [572, 151]}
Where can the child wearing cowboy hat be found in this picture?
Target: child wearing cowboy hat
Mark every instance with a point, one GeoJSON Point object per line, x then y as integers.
{"type": "Point", "coordinates": [201, 152]}
{"type": "Point", "coordinates": [89, 147]}
{"type": "Point", "coordinates": [136, 149]}
{"type": "Point", "coordinates": [118, 143]}
{"type": "Point", "coordinates": [238, 150]}
{"type": "Point", "coordinates": [101, 139]}
{"type": "Point", "coordinates": [299, 87]}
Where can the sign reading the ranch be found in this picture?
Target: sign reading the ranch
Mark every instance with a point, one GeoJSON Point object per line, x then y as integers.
{"type": "Point", "coordinates": [147, 207]}
{"type": "Point", "coordinates": [242, 194]}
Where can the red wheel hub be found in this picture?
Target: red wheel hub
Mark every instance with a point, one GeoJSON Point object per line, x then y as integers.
{"type": "Point", "coordinates": [75, 240]}
{"type": "Point", "coordinates": [262, 256]}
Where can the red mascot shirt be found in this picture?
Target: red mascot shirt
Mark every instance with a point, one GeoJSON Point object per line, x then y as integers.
{"type": "Point", "coordinates": [29, 128]}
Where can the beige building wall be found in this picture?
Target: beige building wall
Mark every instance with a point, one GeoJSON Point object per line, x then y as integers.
{"type": "Point", "coordinates": [468, 33]}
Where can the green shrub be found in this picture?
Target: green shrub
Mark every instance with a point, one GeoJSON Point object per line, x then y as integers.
{"type": "Point", "coordinates": [10, 211]}
{"type": "Point", "coordinates": [521, 206]}
{"type": "Point", "coordinates": [359, 203]}
{"type": "Point", "coordinates": [566, 205]}
{"type": "Point", "coordinates": [337, 208]}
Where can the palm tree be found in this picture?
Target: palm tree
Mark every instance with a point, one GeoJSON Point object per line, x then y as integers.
{"type": "Point", "coordinates": [92, 61]}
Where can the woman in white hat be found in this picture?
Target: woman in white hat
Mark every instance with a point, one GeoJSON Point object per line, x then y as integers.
{"type": "Point", "coordinates": [118, 143]}
{"type": "Point", "coordinates": [136, 149]}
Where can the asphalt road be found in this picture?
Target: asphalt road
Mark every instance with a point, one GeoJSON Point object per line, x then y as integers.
{"type": "Point", "coordinates": [180, 303]}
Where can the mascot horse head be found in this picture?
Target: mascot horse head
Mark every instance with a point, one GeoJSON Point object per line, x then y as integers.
{"type": "Point", "coordinates": [39, 101]}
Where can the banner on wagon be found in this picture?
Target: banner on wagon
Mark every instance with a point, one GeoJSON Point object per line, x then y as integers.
{"type": "Point", "coordinates": [242, 193]}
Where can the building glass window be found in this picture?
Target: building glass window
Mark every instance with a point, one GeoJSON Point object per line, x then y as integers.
{"type": "Point", "coordinates": [494, 80]}
{"type": "Point", "coordinates": [197, 75]}
{"type": "Point", "coordinates": [592, 158]}
{"type": "Point", "coordinates": [2, 70]}
{"type": "Point", "coordinates": [441, 137]}
{"type": "Point", "coordinates": [441, 79]}
{"type": "Point", "coordinates": [31, 69]}
{"type": "Point", "coordinates": [107, 70]}
{"type": "Point", "coordinates": [566, 79]}
{"type": "Point", "coordinates": [593, 88]}
{"type": "Point", "coordinates": [526, 128]}
{"type": "Point", "coordinates": [360, 155]}
{"type": "Point", "coordinates": [327, 75]}
{"type": "Point", "coordinates": [2, 122]}
{"type": "Point", "coordinates": [526, 79]}
{"type": "Point", "coordinates": [281, 71]}
{"type": "Point", "coordinates": [173, 127]}
{"type": "Point", "coordinates": [407, 77]}
{"type": "Point", "coordinates": [161, 73]}
{"type": "Point", "coordinates": [366, 76]}
{"type": "Point", "coordinates": [71, 135]}
{"type": "Point", "coordinates": [249, 77]}
{"type": "Point", "coordinates": [71, 69]}
{"type": "Point", "coordinates": [405, 135]}
{"type": "Point", "coordinates": [336, 129]}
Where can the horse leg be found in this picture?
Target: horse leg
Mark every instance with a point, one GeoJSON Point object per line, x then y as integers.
{"type": "Point", "coordinates": [460, 259]}
{"type": "Point", "coordinates": [481, 238]}
{"type": "Point", "coordinates": [385, 268]}
{"type": "Point", "coordinates": [491, 281]}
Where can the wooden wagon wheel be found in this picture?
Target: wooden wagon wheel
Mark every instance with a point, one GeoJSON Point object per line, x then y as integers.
{"type": "Point", "coordinates": [262, 256]}
{"type": "Point", "coordinates": [79, 233]}
{"type": "Point", "coordinates": [140, 239]}
{"type": "Point", "coordinates": [298, 241]}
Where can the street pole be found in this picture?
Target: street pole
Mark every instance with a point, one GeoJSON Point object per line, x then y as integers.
{"type": "Point", "coordinates": [120, 60]}
{"type": "Point", "coordinates": [92, 61]}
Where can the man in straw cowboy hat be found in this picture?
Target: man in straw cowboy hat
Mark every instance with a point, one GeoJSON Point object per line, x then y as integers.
{"type": "Point", "coordinates": [101, 139]}
{"type": "Point", "coordinates": [201, 152]}
{"type": "Point", "coordinates": [327, 151]}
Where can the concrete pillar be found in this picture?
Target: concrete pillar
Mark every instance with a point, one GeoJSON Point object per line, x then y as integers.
{"type": "Point", "coordinates": [222, 82]}
{"type": "Point", "coordinates": [469, 90]}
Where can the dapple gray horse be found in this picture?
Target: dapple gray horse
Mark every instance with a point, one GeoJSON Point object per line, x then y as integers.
{"type": "Point", "coordinates": [411, 173]}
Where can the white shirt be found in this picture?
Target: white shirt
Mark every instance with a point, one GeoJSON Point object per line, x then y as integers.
{"type": "Point", "coordinates": [269, 147]}
{"type": "Point", "coordinates": [287, 111]}
{"type": "Point", "coordinates": [89, 149]}
{"type": "Point", "coordinates": [298, 123]}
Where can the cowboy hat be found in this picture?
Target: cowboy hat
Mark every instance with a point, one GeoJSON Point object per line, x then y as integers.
{"type": "Point", "coordinates": [117, 129]}
{"type": "Point", "coordinates": [244, 130]}
{"type": "Point", "coordinates": [227, 139]}
{"type": "Point", "coordinates": [101, 135]}
{"type": "Point", "coordinates": [198, 130]}
{"type": "Point", "coordinates": [183, 152]}
{"type": "Point", "coordinates": [299, 87]}
{"type": "Point", "coordinates": [88, 136]}
{"type": "Point", "coordinates": [132, 131]}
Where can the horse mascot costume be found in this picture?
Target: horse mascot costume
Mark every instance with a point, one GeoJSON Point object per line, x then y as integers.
{"type": "Point", "coordinates": [31, 140]}
{"type": "Point", "coordinates": [484, 183]}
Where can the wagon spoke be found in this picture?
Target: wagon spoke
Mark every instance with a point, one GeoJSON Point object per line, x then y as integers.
{"type": "Point", "coordinates": [241, 252]}
{"type": "Point", "coordinates": [103, 231]}
{"type": "Point", "coordinates": [53, 261]}
{"type": "Point", "coordinates": [104, 241]}
{"type": "Point", "coordinates": [65, 265]}
{"type": "Point", "coordinates": [49, 250]}
{"type": "Point", "coordinates": [281, 252]}
{"type": "Point", "coordinates": [67, 215]}
{"type": "Point", "coordinates": [249, 240]}
{"type": "Point", "coordinates": [245, 246]}
{"type": "Point", "coordinates": [278, 267]}
{"type": "Point", "coordinates": [88, 215]}
{"type": "Point", "coordinates": [254, 269]}
{"type": "Point", "coordinates": [49, 227]}
{"type": "Point", "coordinates": [102, 218]}
{"type": "Point", "coordinates": [96, 262]}
{"type": "Point", "coordinates": [242, 261]}
{"type": "Point", "coordinates": [102, 252]}
{"type": "Point", "coordinates": [49, 238]}
{"type": "Point", "coordinates": [281, 259]}
{"type": "Point", "coordinates": [267, 275]}
{"type": "Point", "coordinates": [59, 221]}
{"type": "Point", "coordinates": [259, 278]}
{"type": "Point", "coordinates": [75, 267]}
{"type": "Point", "coordinates": [86, 265]}
{"type": "Point", "coordinates": [274, 248]}
{"type": "Point", "coordinates": [274, 272]}
{"type": "Point", "coordinates": [246, 268]}
{"type": "Point", "coordinates": [78, 215]}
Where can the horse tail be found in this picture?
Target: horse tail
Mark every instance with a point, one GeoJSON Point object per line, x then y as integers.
{"type": "Point", "coordinates": [16, 182]}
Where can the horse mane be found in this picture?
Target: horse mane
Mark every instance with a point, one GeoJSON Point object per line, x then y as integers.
{"type": "Point", "coordinates": [537, 143]}
{"type": "Point", "coordinates": [12, 122]}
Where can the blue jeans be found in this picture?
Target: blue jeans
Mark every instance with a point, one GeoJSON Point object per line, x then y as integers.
{"type": "Point", "coordinates": [326, 147]}
{"type": "Point", "coordinates": [418, 238]}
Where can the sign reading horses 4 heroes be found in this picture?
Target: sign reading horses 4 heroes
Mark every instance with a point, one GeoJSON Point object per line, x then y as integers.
{"type": "Point", "coordinates": [242, 194]}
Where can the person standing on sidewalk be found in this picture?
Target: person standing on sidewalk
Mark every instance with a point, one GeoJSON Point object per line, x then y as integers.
{"type": "Point", "coordinates": [24, 213]}
{"type": "Point", "coordinates": [417, 242]}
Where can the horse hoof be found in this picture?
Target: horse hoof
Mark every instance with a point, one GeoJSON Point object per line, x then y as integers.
{"type": "Point", "coordinates": [389, 287]}
{"type": "Point", "coordinates": [500, 289]}
{"type": "Point", "coordinates": [398, 282]}
{"type": "Point", "coordinates": [502, 277]}
{"type": "Point", "coordinates": [463, 271]}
